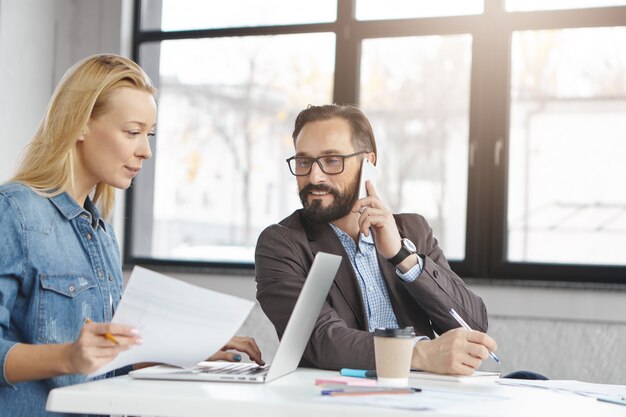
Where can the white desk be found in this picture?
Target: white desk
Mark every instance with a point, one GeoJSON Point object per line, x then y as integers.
{"type": "Point", "coordinates": [297, 395]}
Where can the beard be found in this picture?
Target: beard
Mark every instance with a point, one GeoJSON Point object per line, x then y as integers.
{"type": "Point", "coordinates": [340, 207]}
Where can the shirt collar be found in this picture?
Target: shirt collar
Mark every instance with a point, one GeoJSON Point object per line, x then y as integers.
{"type": "Point", "coordinates": [344, 237]}
{"type": "Point", "coordinates": [70, 209]}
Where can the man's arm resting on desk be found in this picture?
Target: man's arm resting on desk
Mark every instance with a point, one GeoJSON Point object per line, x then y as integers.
{"type": "Point", "coordinates": [456, 352]}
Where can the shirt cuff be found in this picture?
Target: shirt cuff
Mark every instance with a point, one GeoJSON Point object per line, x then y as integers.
{"type": "Point", "coordinates": [412, 274]}
{"type": "Point", "coordinates": [5, 348]}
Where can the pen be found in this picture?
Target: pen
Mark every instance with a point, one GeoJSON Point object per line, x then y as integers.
{"type": "Point", "coordinates": [460, 320]}
{"type": "Point", "coordinates": [108, 336]}
{"type": "Point", "coordinates": [369, 391]}
{"type": "Point", "coordinates": [613, 400]}
{"type": "Point", "coordinates": [358, 373]}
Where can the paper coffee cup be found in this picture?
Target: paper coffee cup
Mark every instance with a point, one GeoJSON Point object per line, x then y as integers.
{"type": "Point", "coordinates": [393, 350]}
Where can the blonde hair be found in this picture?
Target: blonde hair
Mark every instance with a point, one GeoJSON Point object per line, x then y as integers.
{"type": "Point", "coordinates": [48, 165]}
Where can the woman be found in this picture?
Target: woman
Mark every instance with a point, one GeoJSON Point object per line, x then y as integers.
{"type": "Point", "coordinates": [60, 274]}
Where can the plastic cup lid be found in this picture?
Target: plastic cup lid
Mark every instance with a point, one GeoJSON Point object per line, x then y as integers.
{"type": "Point", "coordinates": [405, 332]}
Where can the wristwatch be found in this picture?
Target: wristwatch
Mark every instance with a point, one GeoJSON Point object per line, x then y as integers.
{"type": "Point", "coordinates": [407, 249]}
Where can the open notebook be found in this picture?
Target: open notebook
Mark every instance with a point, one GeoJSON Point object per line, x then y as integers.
{"type": "Point", "coordinates": [290, 349]}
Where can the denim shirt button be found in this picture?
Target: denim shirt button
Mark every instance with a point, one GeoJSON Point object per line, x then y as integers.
{"type": "Point", "coordinates": [110, 278]}
{"type": "Point", "coordinates": [89, 236]}
{"type": "Point", "coordinates": [71, 288]}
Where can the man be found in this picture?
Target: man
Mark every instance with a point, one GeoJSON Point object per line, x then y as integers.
{"type": "Point", "coordinates": [393, 273]}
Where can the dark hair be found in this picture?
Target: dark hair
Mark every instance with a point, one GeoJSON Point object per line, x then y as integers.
{"type": "Point", "coordinates": [362, 133]}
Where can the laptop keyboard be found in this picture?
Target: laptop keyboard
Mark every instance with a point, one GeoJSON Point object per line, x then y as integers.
{"type": "Point", "coordinates": [232, 369]}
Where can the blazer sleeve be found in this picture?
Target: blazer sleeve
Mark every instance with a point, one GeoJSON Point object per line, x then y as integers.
{"type": "Point", "coordinates": [438, 288]}
{"type": "Point", "coordinates": [281, 269]}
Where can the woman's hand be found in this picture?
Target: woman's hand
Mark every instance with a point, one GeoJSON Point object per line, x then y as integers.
{"type": "Point", "coordinates": [95, 347]}
{"type": "Point", "coordinates": [243, 344]}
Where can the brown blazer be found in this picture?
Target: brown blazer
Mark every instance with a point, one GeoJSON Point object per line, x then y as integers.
{"type": "Point", "coordinates": [340, 338]}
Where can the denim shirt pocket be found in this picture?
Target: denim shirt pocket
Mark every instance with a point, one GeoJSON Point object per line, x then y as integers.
{"type": "Point", "coordinates": [65, 302]}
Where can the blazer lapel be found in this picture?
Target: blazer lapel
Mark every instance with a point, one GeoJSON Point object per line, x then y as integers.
{"type": "Point", "coordinates": [322, 238]}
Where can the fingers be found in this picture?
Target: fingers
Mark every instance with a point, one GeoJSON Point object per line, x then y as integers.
{"type": "Point", "coordinates": [457, 351]}
{"type": "Point", "coordinates": [481, 338]}
{"type": "Point", "coordinates": [384, 227]}
{"type": "Point", "coordinates": [246, 345]}
{"type": "Point", "coordinates": [113, 329]}
{"type": "Point", "coordinates": [110, 334]}
{"type": "Point", "coordinates": [371, 191]}
{"type": "Point", "coordinates": [225, 356]}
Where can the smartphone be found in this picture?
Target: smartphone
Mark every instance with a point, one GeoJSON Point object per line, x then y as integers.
{"type": "Point", "coordinates": [368, 172]}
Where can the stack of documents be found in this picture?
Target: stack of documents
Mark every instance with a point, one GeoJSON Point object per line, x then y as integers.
{"type": "Point", "coordinates": [180, 324]}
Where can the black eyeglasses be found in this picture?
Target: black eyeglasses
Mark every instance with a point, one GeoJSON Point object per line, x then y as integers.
{"type": "Point", "coordinates": [329, 164]}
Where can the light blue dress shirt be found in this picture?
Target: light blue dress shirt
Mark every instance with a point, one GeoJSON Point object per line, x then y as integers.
{"type": "Point", "coordinates": [364, 260]}
{"type": "Point", "coordinates": [59, 265]}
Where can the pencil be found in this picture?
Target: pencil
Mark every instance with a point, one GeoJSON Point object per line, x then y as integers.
{"type": "Point", "coordinates": [108, 336]}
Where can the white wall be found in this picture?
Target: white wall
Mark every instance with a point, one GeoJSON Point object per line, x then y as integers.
{"type": "Point", "coordinates": [39, 41]}
{"type": "Point", "coordinates": [563, 333]}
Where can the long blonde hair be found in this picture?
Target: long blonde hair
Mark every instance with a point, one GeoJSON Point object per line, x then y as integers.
{"type": "Point", "coordinates": [48, 165]}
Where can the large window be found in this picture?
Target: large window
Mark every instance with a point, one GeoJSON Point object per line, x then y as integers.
{"type": "Point", "coordinates": [567, 147]}
{"type": "Point", "coordinates": [503, 122]}
{"type": "Point", "coordinates": [422, 133]}
{"type": "Point", "coordinates": [224, 131]}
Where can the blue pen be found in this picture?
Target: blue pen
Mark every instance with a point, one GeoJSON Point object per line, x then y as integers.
{"type": "Point", "coordinates": [358, 373]}
{"type": "Point", "coordinates": [460, 320]}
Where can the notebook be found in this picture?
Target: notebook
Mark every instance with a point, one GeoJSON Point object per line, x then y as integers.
{"type": "Point", "coordinates": [477, 376]}
{"type": "Point", "coordinates": [290, 349]}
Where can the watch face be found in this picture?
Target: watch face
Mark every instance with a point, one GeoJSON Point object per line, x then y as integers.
{"type": "Point", "coordinates": [409, 245]}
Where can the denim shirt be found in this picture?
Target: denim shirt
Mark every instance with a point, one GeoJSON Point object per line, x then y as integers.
{"type": "Point", "coordinates": [59, 266]}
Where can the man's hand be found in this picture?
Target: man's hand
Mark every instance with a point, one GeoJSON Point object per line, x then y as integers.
{"type": "Point", "coordinates": [246, 345]}
{"type": "Point", "coordinates": [456, 352]}
{"type": "Point", "coordinates": [374, 214]}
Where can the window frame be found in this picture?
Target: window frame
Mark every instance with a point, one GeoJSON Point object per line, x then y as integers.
{"type": "Point", "coordinates": [489, 108]}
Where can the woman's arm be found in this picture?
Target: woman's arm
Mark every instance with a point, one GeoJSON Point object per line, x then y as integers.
{"type": "Point", "coordinates": [90, 352]}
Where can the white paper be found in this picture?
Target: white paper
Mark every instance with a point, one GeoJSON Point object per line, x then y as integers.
{"type": "Point", "coordinates": [180, 324]}
{"type": "Point", "coordinates": [476, 377]}
{"type": "Point", "coordinates": [570, 386]}
{"type": "Point", "coordinates": [428, 399]}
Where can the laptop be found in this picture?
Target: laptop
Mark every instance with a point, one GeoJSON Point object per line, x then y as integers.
{"type": "Point", "coordinates": [290, 348]}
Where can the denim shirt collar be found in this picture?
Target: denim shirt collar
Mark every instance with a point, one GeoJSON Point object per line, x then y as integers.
{"type": "Point", "coordinates": [70, 209]}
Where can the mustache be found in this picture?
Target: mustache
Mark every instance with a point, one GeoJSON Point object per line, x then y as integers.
{"type": "Point", "coordinates": [316, 187]}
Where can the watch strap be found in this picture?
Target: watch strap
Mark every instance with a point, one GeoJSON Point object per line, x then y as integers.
{"type": "Point", "coordinates": [402, 254]}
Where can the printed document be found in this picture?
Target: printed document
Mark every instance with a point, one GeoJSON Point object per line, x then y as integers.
{"type": "Point", "coordinates": [180, 324]}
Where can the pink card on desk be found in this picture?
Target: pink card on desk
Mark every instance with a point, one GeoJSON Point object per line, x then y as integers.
{"type": "Point", "coordinates": [347, 380]}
